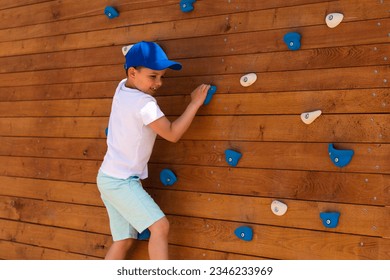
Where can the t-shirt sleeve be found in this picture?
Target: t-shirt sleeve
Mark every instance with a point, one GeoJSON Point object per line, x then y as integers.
{"type": "Point", "coordinates": [151, 112]}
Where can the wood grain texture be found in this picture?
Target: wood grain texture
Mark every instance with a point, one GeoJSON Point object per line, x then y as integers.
{"type": "Point", "coordinates": [278, 243]}
{"type": "Point", "coordinates": [85, 243]}
{"type": "Point", "coordinates": [271, 155]}
{"type": "Point", "coordinates": [17, 251]}
{"type": "Point", "coordinates": [362, 55]}
{"type": "Point", "coordinates": [366, 189]}
{"type": "Point", "coordinates": [62, 60]}
{"type": "Point", "coordinates": [356, 219]}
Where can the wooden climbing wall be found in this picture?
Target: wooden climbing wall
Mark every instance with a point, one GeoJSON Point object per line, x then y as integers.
{"type": "Point", "coordinates": [61, 61]}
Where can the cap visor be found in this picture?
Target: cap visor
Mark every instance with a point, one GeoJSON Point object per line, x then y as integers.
{"type": "Point", "coordinates": [164, 64]}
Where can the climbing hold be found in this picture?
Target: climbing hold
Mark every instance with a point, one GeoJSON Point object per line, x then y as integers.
{"type": "Point", "coordinates": [144, 235]}
{"type": "Point", "coordinates": [340, 157]}
{"type": "Point", "coordinates": [248, 79]}
{"type": "Point", "coordinates": [111, 12]}
{"type": "Point", "coordinates": [186, 5]}
{"type": "Point", "coordinates": [309, 117]}
{"type": "Point", "coordinates": [333, 19]}
{"type": "Point", "coordinates": [293, 40]}
{"type": "Point", "coordinates": [232, 157]}
{"type": "Point", "coordinates": [106, 131]}
{"type": "Point", "coordinates": [278, 208]}
{"type": "Point", "coordinates": [126, 49]}
{"type": "Point", "coordinates": [330, 219]}
{"type": "Point", "coordinates": [210, 94]}
{"type": "Point", "coordinates": [167, 177]}
{"type": "Point", "coordinates": [244, 233]}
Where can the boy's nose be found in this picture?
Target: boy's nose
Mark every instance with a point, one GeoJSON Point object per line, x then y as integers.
{"type": "Point", "coordinates": [159, 83]}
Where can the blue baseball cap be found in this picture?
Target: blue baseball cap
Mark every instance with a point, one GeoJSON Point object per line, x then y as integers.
{"type": "Point", "coordinates": [150, 55]}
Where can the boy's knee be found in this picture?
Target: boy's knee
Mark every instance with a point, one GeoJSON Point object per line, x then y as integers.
{"type": "Point", "coordinates": [125, 244]}
{"type": "Point", "coordinates": [161, 226]}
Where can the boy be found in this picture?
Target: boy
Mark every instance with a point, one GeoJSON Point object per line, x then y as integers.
{"type": "Point", "coordinates": [135, 121]}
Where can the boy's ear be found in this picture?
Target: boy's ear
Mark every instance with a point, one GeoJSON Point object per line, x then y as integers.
{"type": "Point", "coordinates": [131, 72]}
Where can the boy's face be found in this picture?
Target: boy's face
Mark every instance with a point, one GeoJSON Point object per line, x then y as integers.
{"type": "Point", "coordinates": [145, 79]}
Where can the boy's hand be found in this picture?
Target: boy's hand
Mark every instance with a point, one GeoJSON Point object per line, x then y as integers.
{"type": "Point", "coordinates": [199, 94]}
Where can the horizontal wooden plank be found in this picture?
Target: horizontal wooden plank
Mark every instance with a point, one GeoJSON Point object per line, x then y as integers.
{"type": "Point", "coordinates": [5, 4]}
{"type": "Point", "coordinates": [268, 155]}
{"type": "Point", "coordinates": [280, 156]}
{"type": "Point", "coordinates": [84, 171]}
{"type": "Point", "coordinates": [327, 128]}
{"type": "Point", "coordinates": [301, 80]}
{"type": "Point", "coordinates": [69, 148]}
{"type": "Point", "coordinates": [46, 12]}
{"type": "Point", "coordinates": [89, 127]}
{"type": "Point", "coordinates": [140, 252]}
{"type": "Point", "coordinates": [227, 44]}
{"type": "Point", "coordinates": [131, 13]}
{"type": "Point", "coordinates": [320, 58]}
{"type": "Point", "coordinates": [277, 242]}
{"type": "Point", "coordinates": [17, 251]}
{"type": "Point", "coordinates": [367, 189]}
{"type": "Point", "coordinates": [350, 56]}
{"type": "Point", "coordinates": [72, 216]}
{"type": "Point", "coordinates": [214, 235]}
{"type": "Point", "coordinates": [278, 103]}
{"type": "Point", "coordinates": [368, 158]}
{"type": "Point", "coordinates": [57, 108]}
{"type": "Point", "coordinates": [85, 243]}
{"type": "Point", "coordinates": [370, 32]}
{"type": "Point", "coordinates": [348, 101]}
{"type": "Point", "coordinates": [49, 11]}
{"type": "Point", "coordinates": [210, 21]}
{"type": "Point", "coordinates": [50, 190]}
{"type": "Point", "coordinates": [59, 91]}
{"type": "Point", "coordinates": [318, 79]}
{"type": "Point", "coordinates": [304, 185]}
{"type": "Point", "coordinates": [354, 219]}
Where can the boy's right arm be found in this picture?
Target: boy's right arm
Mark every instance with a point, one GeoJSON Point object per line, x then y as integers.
{"type": "Point", "coordinates": [173, 131]}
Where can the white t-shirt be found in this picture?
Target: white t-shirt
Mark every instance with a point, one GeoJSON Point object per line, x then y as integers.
{"type": "Point", "coordinates": [130, 141]}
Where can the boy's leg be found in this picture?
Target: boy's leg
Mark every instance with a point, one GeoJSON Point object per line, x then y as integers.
{"type": "Point", "coordinates": [119, 249]}
{"type": "Point", "coordinates": [134, 209]}
{"type": "Point", "coordinates": [158, 241]}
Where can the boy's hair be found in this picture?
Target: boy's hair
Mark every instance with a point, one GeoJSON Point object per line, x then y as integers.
{"type": "Point", "coordinates": [149, 55]}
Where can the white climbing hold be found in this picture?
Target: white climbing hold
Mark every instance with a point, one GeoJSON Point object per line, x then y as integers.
{"type": "Point", "coordinates": [126, 49]}
{"type": "Point", "coordinates": [333, 19]}
{"type": "Point", "coordinates": [278, 208]}
{"type": "Point", "coordinates": [248, 79]}
{"type": "Point", "coordinates": [309, 117]}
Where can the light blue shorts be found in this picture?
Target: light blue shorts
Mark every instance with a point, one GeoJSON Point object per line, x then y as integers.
{"type": "Point", "coordinates": [130, 208]}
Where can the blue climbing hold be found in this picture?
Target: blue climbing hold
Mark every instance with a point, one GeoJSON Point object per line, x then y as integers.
{"type": "Point", "coordinates": [244, 233]}
{"type": "Point", "coordinates": [340, 157]}
{"type": "Point", "coordinates": [144, 235]}
{"type": "Point", "coordinates": [330, 219]}
{"type": "Point", "coordinates": [187, 6]}
{"type": "Point", "coordinates": [210, 94]}
{"type": "Point", "coordinates": [232, 157]}
{"type": "Point", "coordinates": [167, 177]}
{"type": "Point", "coordinates": [106, 131]}
{"type": "Point", "coordinates": [111, 12]}
{"type": "Point", "coordinates": [293, 40]}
